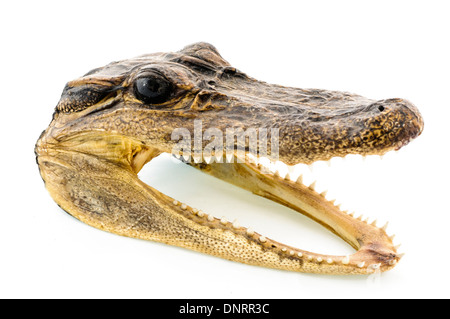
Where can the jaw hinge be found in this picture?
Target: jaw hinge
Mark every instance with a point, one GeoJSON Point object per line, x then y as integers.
{"type": "Point", "coordinates": [141, 156]}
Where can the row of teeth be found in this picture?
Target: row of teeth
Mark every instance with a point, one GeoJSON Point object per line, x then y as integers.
{"type": "Point", "coordinates": [300, 173]}
{"type": "Point", "coordinates": [284, 172]}
{"type": "Point", "coordinates": [312, 186]}
{"type": "Point", "coordinates": [266, 161]}
{"type": "Point", "coordinates": [279, 170]}
{"type": "Point", "coordinates": [262, 239]}
{"type": "Point", "coordinates": [284, 169]}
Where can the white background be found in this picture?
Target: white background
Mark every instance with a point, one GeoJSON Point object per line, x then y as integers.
{"type": "Point", "coordinates": [381, 49]}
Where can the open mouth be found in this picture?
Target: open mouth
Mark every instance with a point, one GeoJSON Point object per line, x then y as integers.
{"type": "Point", "coordinates": [112, 121]}
{"type": "Point", "coordinates": [286, 185]}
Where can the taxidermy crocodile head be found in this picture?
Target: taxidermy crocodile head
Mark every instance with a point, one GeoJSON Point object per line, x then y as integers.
{"type": "Point", "coordinates": [110, 122]}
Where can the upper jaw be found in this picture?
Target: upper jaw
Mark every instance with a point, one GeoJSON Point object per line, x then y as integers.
{"type": "Point", "coordinates": [313, 124]}
{"type": "Point", "coordinates": [363, 130]}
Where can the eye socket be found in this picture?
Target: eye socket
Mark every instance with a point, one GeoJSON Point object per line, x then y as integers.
{"type": "Point", "coordinates": [153, 89]}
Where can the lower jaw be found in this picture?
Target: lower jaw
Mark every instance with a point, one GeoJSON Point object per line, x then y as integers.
{"type": "Point", "coordinates": [375, 250]}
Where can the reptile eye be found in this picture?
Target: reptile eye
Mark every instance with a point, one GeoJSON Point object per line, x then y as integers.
{"type": "Point", "coordinates": [153, 89]}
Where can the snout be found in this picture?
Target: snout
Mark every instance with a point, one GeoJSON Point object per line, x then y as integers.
{"type": "Point", "coordinates": [411, 119]}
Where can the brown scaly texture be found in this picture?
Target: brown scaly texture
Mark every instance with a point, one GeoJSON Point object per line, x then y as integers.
{"type": "Point", "coordinates": [105, 129]}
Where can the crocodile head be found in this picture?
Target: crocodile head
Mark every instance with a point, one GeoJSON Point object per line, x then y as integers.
{"type": "Point", "coordinates": [115, 119]}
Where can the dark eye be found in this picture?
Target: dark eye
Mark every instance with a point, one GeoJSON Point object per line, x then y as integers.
{"type": "Point", "coordinates": [153, 89]}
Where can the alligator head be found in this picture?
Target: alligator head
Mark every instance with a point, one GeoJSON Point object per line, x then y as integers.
{"type": "Point", "coordinates": [115, 119]}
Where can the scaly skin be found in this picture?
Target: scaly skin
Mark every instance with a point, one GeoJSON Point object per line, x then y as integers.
{"type": "Point", "coordinates": [104, 130]}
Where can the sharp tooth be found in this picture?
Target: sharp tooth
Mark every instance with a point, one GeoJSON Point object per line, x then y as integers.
{"type": "Point", "coordinates": [300, 179]}
{"type": "Point", "coordinates": [313, 185]}
{"type": "Point", "coordinates": [346, 260]}
{"type": "Point", "coordinates": [223, 221]}
{"type": "Point", "coordinates": [287, 177]}
{"type": "Point", "coordinates": [186, 157]}
{"type": "Point", "coordinates": [385, 226]}
{"type": "Point", "coordinates": [374, 223]}
{"type": "Point", "coordinates": [332, 201]}
{"type": "Point", "coordinates": [361, 264]}
{"type": "Point", "coordinates": [197, 159]}
{"type": "Point", "coordinates": [397, 247]}
{"type": "Point", "coordinates": [218, 158]}
{"type": "Point", "coordinates": [375, 266]}
{"type": "Point", "coordinates": [207, 159]}
{"type": "Point", "coordinates": [352, 214]}
{"type": "Point", "coordinates": [392, 262]}
{"type": "Point", "coordinates": [366, 220]}
{"type": "Point", "coordinates": [324, 194]}
{"type": "Point", "coordinates": [392, 237]}
{"type": "Point", "coordinates": [400, 255]}
{"type": "Point", "coordinates": [250, 232]}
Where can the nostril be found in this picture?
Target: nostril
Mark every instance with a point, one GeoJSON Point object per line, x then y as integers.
{"type": "Point", "coordinates": [381, 108]}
